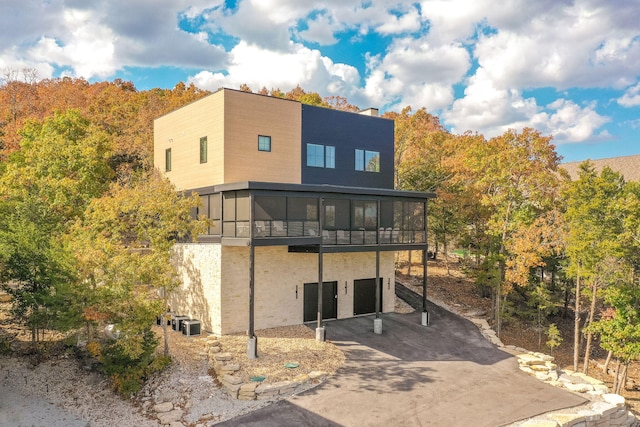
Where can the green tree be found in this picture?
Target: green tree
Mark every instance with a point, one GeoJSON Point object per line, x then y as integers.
{"type": "Point", "coordinates": [60, 167]}
{"type": "Point", "coordinates": [62, 163]}
{"type": "Point", "coordinates": [619, 327]}
{"type": "Point", "coordinates": [34, 267]}
{"type": "Point", "coordinates": [554, 337]}
{"type": "Point", "coordinates": [594, 222]}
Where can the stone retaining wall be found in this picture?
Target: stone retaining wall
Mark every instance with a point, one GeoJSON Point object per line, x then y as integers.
{"type": "Point", "coordinates": [228, 374]}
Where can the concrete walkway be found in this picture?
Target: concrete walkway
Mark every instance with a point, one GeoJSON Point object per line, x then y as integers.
{"type": "Point", "coordinates": [445, 374]}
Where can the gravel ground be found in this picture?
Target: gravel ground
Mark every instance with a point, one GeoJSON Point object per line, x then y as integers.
{"type": "Point", "coordinates": [61, 393]}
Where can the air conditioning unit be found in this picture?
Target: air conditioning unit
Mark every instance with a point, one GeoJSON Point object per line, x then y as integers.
{"type": "Point", "coordinates": [191, 327]}
{"type": "Point", "coordinates": [176, 322]}
{"type": "Point", "coordinates": [166, 317]}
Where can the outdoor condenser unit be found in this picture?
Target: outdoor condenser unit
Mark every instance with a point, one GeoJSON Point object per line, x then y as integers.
{"type": "Point", "coordinates": [166, 317]}
{"type": "Point", "coordinates": [176, 322]}
{"type": "Point", "coordinates": [191, 327]}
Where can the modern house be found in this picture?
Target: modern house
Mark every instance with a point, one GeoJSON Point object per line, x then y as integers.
{"type": "Point", "coordinates": [298, 195]}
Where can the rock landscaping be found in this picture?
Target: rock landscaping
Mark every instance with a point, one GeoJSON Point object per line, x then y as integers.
{"type": "Point", "coordinates": [603, 410]}
{"type": "Point", "coordinates": [227, 372]}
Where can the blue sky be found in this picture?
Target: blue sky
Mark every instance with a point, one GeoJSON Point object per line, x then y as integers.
{"type": "Point", "coordinates": [570, 69]}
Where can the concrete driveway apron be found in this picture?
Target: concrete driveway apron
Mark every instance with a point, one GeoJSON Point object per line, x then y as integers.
{"type": "Point", "coordinates": [445, 374]}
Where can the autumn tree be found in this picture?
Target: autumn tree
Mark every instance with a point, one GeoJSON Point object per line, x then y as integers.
{"type": "Point", "coordinates": [516, 177]}
{"type": "Point", "coordinates": [340, 103]}
{"type": "Point", "coordinates": [531, 249]}
{"type": "Point", "coordinates": [124, 245]}
{"type": "Point", "coordinates": [17, 100]}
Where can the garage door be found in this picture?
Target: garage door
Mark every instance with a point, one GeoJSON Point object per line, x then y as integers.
{"type": "Point", "coordinates": [329, 301]}
{"type": "Point", "coordinates": [364, 296]}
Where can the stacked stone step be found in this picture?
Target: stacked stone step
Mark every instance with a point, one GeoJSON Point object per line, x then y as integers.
{"type": "Point", "coordinates": [542, 366]}
{"type": "Point", "coordinates": [228, 373]}
{"type": "Point", "coordinates": [609, 412]}
{"type": "Point", "coordinates": [212, 346]}
{"type": "Point", "coordinates": [606, 409]}
{"type": "Point", "coordinates": [247, 391]}
{"type": "Point", "coordinates": [270, 391]}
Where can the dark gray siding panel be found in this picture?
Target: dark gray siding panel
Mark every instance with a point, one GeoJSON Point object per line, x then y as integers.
{"type": "Point", "coordinates": [347, 132]}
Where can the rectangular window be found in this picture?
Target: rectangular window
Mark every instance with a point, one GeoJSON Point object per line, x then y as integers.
{"type": "Point", "coordinates": [321, 156]}
{"type": "Point", "coordinates": [315, 155]}
{"type": "Point", "coordinates": [365, 215]}
{"type": "Point", "coordinates": [359, 160]}
{"type": "Point", "coordinates": [337, 214]}
{"type": "Point", "coordinates": [368, 161]}
{"type": "Point", "coordinates": [203, 149]}
{"type": "Point", "coordinates": [264, 143]}
{"type": "Point", "coordinates": [167, 160]}
{"type": "Point", "coordinates": [372, 161]}
{"type": "Point", "coordinates": [330, 157]}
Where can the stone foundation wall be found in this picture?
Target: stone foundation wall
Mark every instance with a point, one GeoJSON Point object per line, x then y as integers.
{"type": "Point", "coordinates": [215, 284]}
{"type": "Point", "coordinates": [199, 294]}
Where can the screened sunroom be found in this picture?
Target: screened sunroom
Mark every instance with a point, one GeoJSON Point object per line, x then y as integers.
{"type": "Point", "coordinates": [305, 217]}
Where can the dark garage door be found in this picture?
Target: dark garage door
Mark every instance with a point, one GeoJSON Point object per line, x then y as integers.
{"type": "Point", "coordinates": [329, 301]}
{"type": "Point", "coordinates": [364, 296]}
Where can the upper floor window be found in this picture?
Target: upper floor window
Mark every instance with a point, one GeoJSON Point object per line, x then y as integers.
{"type": "Point", "coordinates": [321, 156]}
{"type": "Point", "coordinates": [167, 160]}
{"type": "Point", "coordinates": [203, 149]}
{"type": "Point", "coordinates": [264, 143]}
{"type": "Point", "coordinates": [368, 161]}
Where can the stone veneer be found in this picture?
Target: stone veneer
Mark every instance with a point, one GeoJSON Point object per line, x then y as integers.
{"type": "Point", "coordinates": [215, 286]}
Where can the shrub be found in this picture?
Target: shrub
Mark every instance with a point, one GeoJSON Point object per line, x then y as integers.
{"type": "Point", "coordinates": [554, 337]}
{"type": "Point", "coordinates": [129, 373]}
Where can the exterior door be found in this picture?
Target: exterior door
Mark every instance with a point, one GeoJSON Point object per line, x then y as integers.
{"type": "Point", "coordinates": [329, 301]}
{"type": "Point", "coordinates": [364, 296]}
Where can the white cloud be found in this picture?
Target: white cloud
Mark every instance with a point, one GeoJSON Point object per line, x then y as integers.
{"type": "Point", "coordinates": [631, 97]}
{"type": "Point", "coordinates": [572, 123]}
{"type": "Point", "coordinates": [321, 30]}
{"type": "Point", "coordinates": [98, 39]}
{"type": "Point", "coordinates": [89, 46]}
{"type": "Point", "coordinates": [422, 51]}
{"type": "Point", "coordinates": [415, 72]}
{"type": "Point", "coordinates": [491, 111]}
{"type": "Point", "coordinates": [284, 70]}
{"type": "Point", "coordinates": [401, 21]}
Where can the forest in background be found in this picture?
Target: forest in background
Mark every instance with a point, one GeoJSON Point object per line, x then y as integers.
{"type": "Point", "coordinates": [82, 247]}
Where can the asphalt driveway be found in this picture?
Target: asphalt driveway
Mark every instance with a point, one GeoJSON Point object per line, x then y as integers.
{"type": "Point", "coordinates": [445, 374]}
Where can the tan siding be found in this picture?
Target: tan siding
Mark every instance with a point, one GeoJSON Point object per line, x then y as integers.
{"type": "Point", "coordinates": [246, 117]}
{"type": "Point", "coordinates": [181, 130]}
